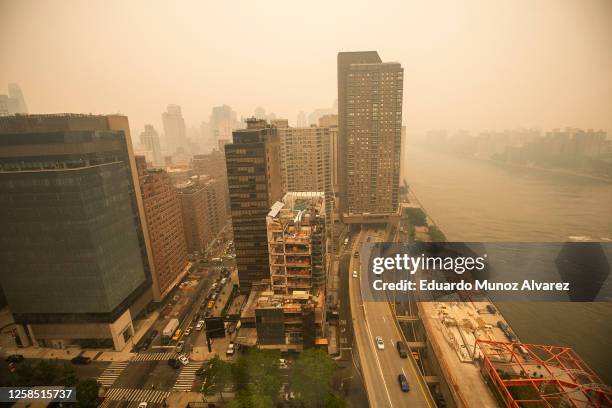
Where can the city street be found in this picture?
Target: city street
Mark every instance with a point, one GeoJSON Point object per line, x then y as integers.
{"type": "Point", "coordinates": [372, 319]}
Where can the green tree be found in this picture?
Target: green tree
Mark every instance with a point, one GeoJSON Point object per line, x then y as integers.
{"type": "Point", "coordinates": [87, 393]}
{"type": "Point", "coordinates": [416, 216]}
{"type": "Point", "coordinates": [436, 235]}
{"type": "Point", "coordinates": [335, 401]}
{"type": "Point", "coordinates": [45, 372]}
{"type": "Point", "coordinates": [311, 377]}
{"type": "Point", "coordinates": [217, 375]}
{"type": "Point", "coordinates": [245, 399]}
{"type": "Point", "coordinates": [258, 372]}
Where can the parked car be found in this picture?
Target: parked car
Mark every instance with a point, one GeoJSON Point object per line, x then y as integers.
{"type": "Point", "coordinates": [402, 350]}
{"type": "Point", "coordinates": [230, 350]}
{"type": "Point", "coordinates": [380, 343]}
{"type": "Point", "coordinates": [354, 274]}
{"type": "Point", "coordinates": [15, 358]}
{"type": "Point", "coordinates": [174, 363]}
{"type": "Point", "coordinates": [180, 346]}
{"type": "Point", "coordinates": [81, 360]}
{"type": "Point", "coordinates": [144, 345]}
{"type": "Point", "coordinates": [183, 359]}
{"type": "Point", "coordinates": [403, 383]}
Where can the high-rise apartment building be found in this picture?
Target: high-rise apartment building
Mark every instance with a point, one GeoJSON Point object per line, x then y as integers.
{"type": "Point", "coordinates": [370, 119]}
{"type": "Point", "coordinates": [254, 181]}
{"type": "Point", "coordinates": [166, 231]}
{"type": "Point", "coordinates": [307, 161]}
{"type": "Point", "coordinates": [223, 120]}
{"type": "Point", "coordinates": [296, 243]}
{"type": "Point", "coordinates": [74, 251]}
{"type": "Point", "coordinates": [14, 92]}
{"type": "Point", "coordinates": [149, 139]}
{"type": "Point", "coordinates": [174, 129]}
{"type": "Point", "coordinates": [203, 207]}
{"type": "Point", "coordinates": [330, 120]}
{"type": "Point", "coordinates": [213, 165]}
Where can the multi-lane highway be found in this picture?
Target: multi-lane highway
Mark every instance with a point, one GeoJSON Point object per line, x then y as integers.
{"type": "Point", "coordinates": [381, 368]}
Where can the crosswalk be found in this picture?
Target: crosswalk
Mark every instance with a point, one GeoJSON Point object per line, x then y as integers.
{"type": "Point", "coordinates": [127, 404]}
{"type": "Point", "coordinates": [187, 376]}
{"type": "Point", "coordinates": [154, 356]}
{"type": "Point", "coordinates": [111, 373]}
{"type": "Point", "coordinates": [134, 394]}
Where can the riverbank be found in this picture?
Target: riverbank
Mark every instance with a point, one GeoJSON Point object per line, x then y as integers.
{"type": "Point", "coordinates": [549, 170]}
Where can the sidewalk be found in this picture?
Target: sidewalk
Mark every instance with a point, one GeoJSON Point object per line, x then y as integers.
{"type": "Point", "coordinates": [141, 327]}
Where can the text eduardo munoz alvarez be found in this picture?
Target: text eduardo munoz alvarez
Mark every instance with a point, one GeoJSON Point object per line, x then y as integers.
{"type": "Point", "coordinates": [459, 265]}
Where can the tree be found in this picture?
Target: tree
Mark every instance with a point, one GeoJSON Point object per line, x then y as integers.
{"type": "Point", "coordinates": [217, 376]}
{"type": "Point", "coordinates": [245, 399]}
{"type": "Point", "coordinates": [416, 216]}
{"type": "Point", "coordinates": [87, 393]}
{"type": "Point", "coordinates": [258, 372]}
{"type": "Point", "coordinates": [45, 372]}
{"type": "Point", "coordinates": [311, 377]}
{"type": "Point", "coordinates": [335, 401]}
{"type": "Point", "coordinates": [436, 235]}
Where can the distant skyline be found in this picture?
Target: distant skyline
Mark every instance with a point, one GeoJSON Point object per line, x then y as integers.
{"type": "Point", "coordinates": [471, 64]}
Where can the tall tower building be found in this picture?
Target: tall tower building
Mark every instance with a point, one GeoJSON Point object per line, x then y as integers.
{"type": "Point", "coordinates": [174, 129]}
{"type": "Point", "coordinates": [301, 119]}
{"type": "Point", "coordinates": [307, 161]}
{"type": "Point", "coordinates": [203, 206]}
{"type": "Point", "coordinates": [166, 230]}
{"type": "Point", "coordinates": [74, 252]}
{"type": "Point", "coordinates": [223, 121]}
{"type": "Point", "coordinates": [254, 180]}
{"type": "Point", "coordinates": [149, 139]}
{"type": "Point", "coordinates": [15, 93]}
{"type": "Point", "coordinates": [369, 136]}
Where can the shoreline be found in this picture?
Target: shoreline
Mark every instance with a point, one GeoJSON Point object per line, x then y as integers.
{"type": "Point", "coordinates": [549, 170]}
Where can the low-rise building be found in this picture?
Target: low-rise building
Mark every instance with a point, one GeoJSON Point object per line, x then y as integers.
{"type": "Point", "coordinates": [297, 243]}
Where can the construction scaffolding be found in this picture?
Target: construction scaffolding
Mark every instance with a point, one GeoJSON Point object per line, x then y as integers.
{"type": "Point", "coordinates": [532, 375]}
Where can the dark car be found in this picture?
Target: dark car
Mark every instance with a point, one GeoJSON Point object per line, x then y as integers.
{"type": "Point", "coordinates": [401, 349]}
{"type": "Point", "coordinates": [81, 360]}
{"type": "Point", "coordinates": [200, 372]}
{"type": "Point", "coordinates": [145, 345]}
{"type": "Point", "coordinates": [153, 335]}
{"type": "Point", "coordinates": [174, 363]}
{"type": "Point", "coordinates": [15, 358]}
{"type": "Point", "coordinates": [403, 383]}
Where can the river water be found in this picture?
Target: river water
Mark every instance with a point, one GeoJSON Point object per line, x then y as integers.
{"type": "Point", "coordinates": [478, 201]}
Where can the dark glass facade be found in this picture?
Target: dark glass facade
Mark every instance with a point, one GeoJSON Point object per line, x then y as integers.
{"type": "Point", "coordinates": [253, 173]}
{"type": "Point", "coordinates": [71, 246]}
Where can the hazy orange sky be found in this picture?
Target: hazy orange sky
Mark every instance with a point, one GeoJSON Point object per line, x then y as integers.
{"type": "Point", "coordinates": [476, 65]}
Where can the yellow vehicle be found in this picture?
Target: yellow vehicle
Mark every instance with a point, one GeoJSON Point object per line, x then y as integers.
{"type": "Point", "coordinates": [211, 303]}
{"type": "Point", "coordinates": [177, 335]}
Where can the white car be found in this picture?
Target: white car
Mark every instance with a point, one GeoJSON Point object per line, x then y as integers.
{"type": "Point", "coordinates": [354, 274]}
{"type": "Point", "coordinates": [183, 359]}
{"type": "Point", "coordinates": [380, 343]}
{"type": "Point", "coordinates": [142, 405]}
{"type": "Point", "coordinates": [200, 325]}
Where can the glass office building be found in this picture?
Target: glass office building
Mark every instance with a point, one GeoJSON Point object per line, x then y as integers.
{"type": "Point", "coordinates": [73, 261]}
